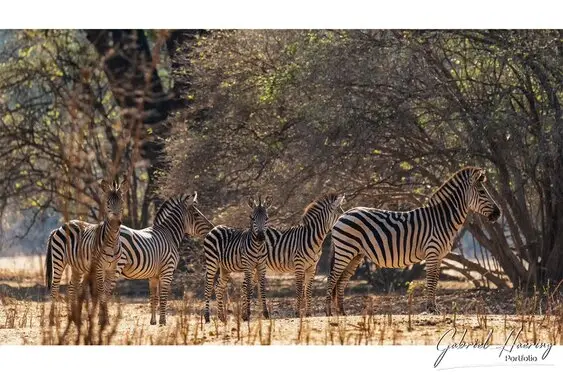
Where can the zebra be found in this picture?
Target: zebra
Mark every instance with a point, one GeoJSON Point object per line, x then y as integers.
{"type": "Point", "coordinates": [107, 248]}
{"type": "Point", "coordinates": [149, 253]}
{"type": "Point", "coordinates": [298, 249]}
{"type": "Point", "coordinates": [235, 250]}
{"type": "Point", "coordinates": [74, 242]}
{"type": "Point", "coordinates": [152, 253]}
{"type": "Point", "coordinates": [393, 239]}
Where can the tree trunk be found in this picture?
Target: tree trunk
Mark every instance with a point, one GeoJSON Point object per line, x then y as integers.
{"type": "Point", "coordinates": [137, 88]}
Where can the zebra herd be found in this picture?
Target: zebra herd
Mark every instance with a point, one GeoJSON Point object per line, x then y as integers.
{"type": "Point", "coordinates": [390, 239]}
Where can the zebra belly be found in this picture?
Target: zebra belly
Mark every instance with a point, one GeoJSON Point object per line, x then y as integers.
{"type": "Point", "coordinates": [279, 267]}
{"type": "Point", "coordinates": [391, 263]}
{"type": "Point", "coordinates": [132, 273]}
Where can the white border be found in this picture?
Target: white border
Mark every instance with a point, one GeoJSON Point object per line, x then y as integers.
{"type": "Point", "coordinates": [281, 14]}
{"type": "Point", "coordinates": [342, 360]}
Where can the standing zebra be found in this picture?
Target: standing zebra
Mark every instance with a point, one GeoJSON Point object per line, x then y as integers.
{"type": "Point", "coordinates": [152, 253]}
{"type": "Point", "coordinates": [107, 248]}
{"type": "Point", "coordinates": [235, 250]}
{"type": "Point", "coordinates": [298, 249]}
{"type": "Point", "coordinates": [149, 253]}
{"type": "Point", "coordinates": [398, 239]}
{"type": "Point", "coordinates": [74, 242]}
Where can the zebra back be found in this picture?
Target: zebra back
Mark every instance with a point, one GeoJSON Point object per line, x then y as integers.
{"type": "Point", "coordinates": [300, 245]}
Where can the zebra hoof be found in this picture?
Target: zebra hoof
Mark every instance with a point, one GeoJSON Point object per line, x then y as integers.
{"type": "Point", "coordinates": [206, 317]}
{"type": "Point", "coordinates": [162, 322]}
{"type": "Point", "coordinates": [432, 310]}
{"type": "Point", "coordinates": [153, 322]}
{"type": "Point", "coordinates": [266, 315]}
{"type": "Point", "coordinates": [308, 314]}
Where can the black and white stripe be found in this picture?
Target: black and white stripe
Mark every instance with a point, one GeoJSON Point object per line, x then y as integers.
{"type": "Point", "coordinates": [235, 250]}
{"type": "Point", "coordinates": [149, 253]}
{"type": "Point", "coordinates": [298, 249]}
{"type": "Point", "coordinates": [152, 252]}
{"type": "Point", "coordinates": [108, 250]}
{"type": "Point", "coordinates": [398, 239]}
{"type": "Point", "coordinates": [77, 242]}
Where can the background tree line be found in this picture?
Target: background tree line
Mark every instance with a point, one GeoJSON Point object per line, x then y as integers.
{"type": "Point", "coordinates": [384, 116]}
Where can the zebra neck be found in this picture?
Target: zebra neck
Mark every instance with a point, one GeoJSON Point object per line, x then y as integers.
{"type": "Point", "coordinates": [109, 235]}
{"type": "Point", "coordinates": [253, 241]}
{"type": "Point", "coordinates": [172, 227]}
{"type": "Point", "coordinates": [111, 229]}
{"type": "Point", "coordinates": [450, 208]}
{"type": "Point", "coordinates": [317, 229]}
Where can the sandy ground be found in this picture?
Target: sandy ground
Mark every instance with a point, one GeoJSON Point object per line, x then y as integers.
{"type": "Point", "coordinates": [374, 319]}
{"type": "Point", "coordinates": [26, 323]}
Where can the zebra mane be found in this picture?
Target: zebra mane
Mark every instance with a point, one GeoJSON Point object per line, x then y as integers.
{"type": "Point", "coordinates": [166, 208]}
{"type": "Point", "coordinates": [463, 174]}
{"type": "Point", "coordinates": [309, 211]}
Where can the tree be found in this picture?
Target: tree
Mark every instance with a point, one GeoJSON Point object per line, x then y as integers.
{"type": "Point", "coordinates": [385, 116]}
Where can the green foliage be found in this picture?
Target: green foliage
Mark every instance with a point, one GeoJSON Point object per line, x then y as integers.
{"type": "Point", "coordinates": [385, 116]}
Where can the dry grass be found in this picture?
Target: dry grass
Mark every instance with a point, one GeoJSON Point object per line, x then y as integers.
{"type": "Point", "coordinates": [395, 319]}
{"type": "Point", "coordinates": [26, 322]}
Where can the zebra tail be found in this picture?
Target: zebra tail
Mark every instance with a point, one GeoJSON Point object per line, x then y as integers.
{"type": "Point", "coordinates": [49, 263]}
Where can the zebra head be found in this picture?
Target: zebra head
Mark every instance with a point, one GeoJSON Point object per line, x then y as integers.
{"type": "Point", "coordinates": [335, 202]}
{"type": "Point", "coordinates": [325, 210]}
{"type": "Point", "coordinates": [114, 197]}
{"type": "Point", "coordinates": [480, 200]}
{"type": "Point", "coordinates": [195, 223]}
{"type": "Point", "coordinates": [259, 216]}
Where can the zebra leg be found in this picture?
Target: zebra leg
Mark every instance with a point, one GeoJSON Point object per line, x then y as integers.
{"type": "Point", "coordinates": [261, 272]}
{"type": "Point", "coordinates": [153, 296]}
{"type": "Point", "coordinates": [164, 287]}
{"type": "Point", "coordinates": [219, 293]}
{"type": "Point", "coordinates": [247, 293]}
{"type": "Point", "coordinates": [74, 288]}
{"type": "Point", "coordinates": [299, 282]}
{"type": "Point", "coordinates": [55, 284]}
{"type": "Point", "coordinates": [105, 295]}
{"type": "Point", "coordinates": [432, 275]}
{"type": "Point", "coordinates": [308, 292]}
{"type": "Point", "coordinates": [336, 270]}
{"type": "Point", "coordinates": [343, 281]}
{"type": "Point", "coordinates": [210, 272]}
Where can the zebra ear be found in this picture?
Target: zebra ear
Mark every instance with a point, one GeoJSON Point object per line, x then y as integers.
{"type": "Point", "coordinates": [124, 186]}
{"type": "Point", "coordinates": [268, 201]}
{"type": "Point", "coordinates": [190, 199]}
{"type": "Point", "coordinates": [338, 201]}
{"type": "Point", "coordinates": [251, 202]}
{"type": "Point", "coordinates": [481, 176]}
{"type": "Point", "coordinates": [106, 186]}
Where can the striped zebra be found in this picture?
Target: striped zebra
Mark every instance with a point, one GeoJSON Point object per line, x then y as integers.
{"type": "Point", "coordinates": [398, 239]}
{"type": "Point", "coordinates": [85, 240]}
{"type": "Point", "coordinates": [107, 248]}
{"type": "Point", "coordinates": [298, 249]}
{"type": "Point", "coordinates": [149, 253]}
{"type": "Point", "coordinates": [235, 250]}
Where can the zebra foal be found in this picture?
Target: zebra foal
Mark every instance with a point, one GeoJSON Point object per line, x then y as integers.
{"type": "Point", "coordinates": [394, 239]}
{"type": "Point", "coordinates": [235, 250]}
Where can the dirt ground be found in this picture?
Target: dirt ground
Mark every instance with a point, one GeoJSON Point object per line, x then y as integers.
{"type": "Point", "coordinates": [26, 323]}
{"type": "Point", "coordinates": [373, 319]}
